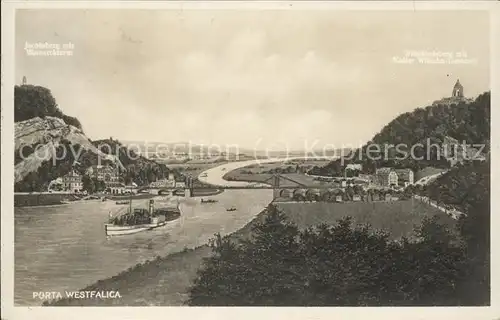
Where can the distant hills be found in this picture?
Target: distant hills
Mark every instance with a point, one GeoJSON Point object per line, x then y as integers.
{"type": "Point", "coordinates": [189, 148]}
{"type": "Point", "coordinates": [150, 148]}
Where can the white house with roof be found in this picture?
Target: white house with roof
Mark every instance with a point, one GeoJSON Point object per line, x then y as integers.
{"type": "Point", "coordinates": [405, 176]}
{"type": "Point", "coordinates": [386, 177]}
{"type": "Point", "coordinates": [72, 182]}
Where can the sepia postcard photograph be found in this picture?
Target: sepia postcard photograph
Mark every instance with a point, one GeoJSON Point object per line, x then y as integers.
{"type": "Point", "coordinates": [237, 154]}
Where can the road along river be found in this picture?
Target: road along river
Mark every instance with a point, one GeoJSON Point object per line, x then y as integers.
{"type": "Point", "coordinates": [63, 248]}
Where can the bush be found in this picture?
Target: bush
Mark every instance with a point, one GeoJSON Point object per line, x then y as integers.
{"type": "Point", "coordinates": [340, 265]}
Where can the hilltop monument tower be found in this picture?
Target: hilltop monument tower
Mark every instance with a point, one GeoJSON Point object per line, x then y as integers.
{"type": "Point", "coordinates": [457, 96]}
{"type": "Point", "coordinates": [458, 90]}
{"type": "Point", "coordinates": [24, 81]}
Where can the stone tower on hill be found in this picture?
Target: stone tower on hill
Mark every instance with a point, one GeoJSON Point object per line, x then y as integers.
{"type": "Point", "coordinates": [458, 90]}
{"type": "Point", "coordinates": [457, 96]}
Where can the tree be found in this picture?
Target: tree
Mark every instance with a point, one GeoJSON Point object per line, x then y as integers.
{"type": "Point", "coordinates": [430, 231]}
{"type": "Point", "coordinates": [262, 259]}
{"type": "Point", "coordinates": [352, 173]}
{"type": "Point", "coordinates": [138, 169]}
{"type": "Point", "coordinates": [88, 184]}
{"type": "Point", "coordinates": [36, 101]}
{"type": "Point", "coordinates": [298, 197]}
{"type": "Point", "coordinates": [311, 196]}
{"type": "Point", "coordinates": [339, 265]}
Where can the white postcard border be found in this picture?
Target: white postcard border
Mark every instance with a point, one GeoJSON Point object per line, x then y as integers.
{"type": "Point", "coordinates": [7, 138]}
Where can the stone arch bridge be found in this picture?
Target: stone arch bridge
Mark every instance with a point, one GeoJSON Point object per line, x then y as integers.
{"type": "Point", "coordinates": [283, 187]}
{"type": "Point", "coordinates": [286, 187]}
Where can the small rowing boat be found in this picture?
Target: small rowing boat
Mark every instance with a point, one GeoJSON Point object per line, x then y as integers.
{"type": "Point", "coordinates": [208, 201]}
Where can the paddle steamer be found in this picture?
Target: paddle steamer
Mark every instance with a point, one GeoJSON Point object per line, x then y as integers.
{"type": "Point", "coordinates": [141, 219]}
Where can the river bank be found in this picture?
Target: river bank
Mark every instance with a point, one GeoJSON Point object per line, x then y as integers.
{"type": "Point", "coordinates": [164, 281]}
{"type": "Point", "coordinates": [49, 199]}
{"type": "Point", "coordinates": [206, 192]}
{"type": "Point", "coordinates": [139, 196]}
{"type": "Point", "coordinates": [41, 199]}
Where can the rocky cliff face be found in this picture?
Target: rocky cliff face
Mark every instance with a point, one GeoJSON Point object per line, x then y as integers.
{"type": "Point", "coordinates": [37, 139]}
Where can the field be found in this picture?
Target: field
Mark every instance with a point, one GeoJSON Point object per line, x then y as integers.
{"type": "Point", "coordinates": [264, 171]}
{"type": "Point", "coordinates": [194, 169]}
{"type": "Point", "coordinates": [397, 217]}
{"type": "Point", "coordinates": [291, 164]}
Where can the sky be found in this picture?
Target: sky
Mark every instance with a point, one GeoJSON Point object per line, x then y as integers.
{"type": "Point", "coordinates": [256, 79]}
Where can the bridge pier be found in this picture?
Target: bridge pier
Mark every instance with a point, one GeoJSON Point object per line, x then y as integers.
{"type": "Point", "coordinates": [276, 193]}
{"type": "Point", "coordinates": [188, 190]}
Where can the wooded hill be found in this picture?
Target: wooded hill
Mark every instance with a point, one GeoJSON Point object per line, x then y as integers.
{"type": "Point", "coordinates": [469, 122]}
{"type": "Point", "coordinates": [135, 168]}
{"type": "Point", "coordinates": [62, 145]}
{"type": "Point", "coordinates": [37, 101]}
{"type": "Point", "coordinates": [348, 265]}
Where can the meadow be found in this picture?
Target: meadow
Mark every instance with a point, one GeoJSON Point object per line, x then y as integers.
{"type": "Point", "coordinates": [396, 217]}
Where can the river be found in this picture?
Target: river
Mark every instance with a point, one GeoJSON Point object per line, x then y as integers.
{"type": "Point", "coordinates": [214, 176]}
{"type": "Point", "coordinates": [59, 248]}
